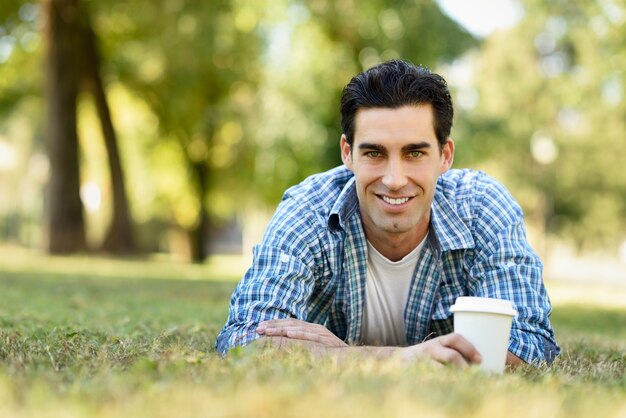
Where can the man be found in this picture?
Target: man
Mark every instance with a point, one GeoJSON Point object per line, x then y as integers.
{"type": "Point", "coordinates": [368, 257]}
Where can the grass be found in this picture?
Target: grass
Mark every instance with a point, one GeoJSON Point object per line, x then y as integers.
{"type": "Point", "coordinates": [107, 338]}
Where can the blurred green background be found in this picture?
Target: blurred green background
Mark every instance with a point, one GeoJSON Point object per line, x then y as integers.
{"type": "Point", "coordinates": [173, 127]}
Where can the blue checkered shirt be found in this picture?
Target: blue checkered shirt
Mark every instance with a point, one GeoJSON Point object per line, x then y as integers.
{"type": "Point", "coordinates": [311, 264]}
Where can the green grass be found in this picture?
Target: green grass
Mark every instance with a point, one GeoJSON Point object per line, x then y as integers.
{"type": "Point", "coordinates": [106, 338]}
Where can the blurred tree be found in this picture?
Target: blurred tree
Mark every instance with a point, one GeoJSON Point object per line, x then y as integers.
{"type": "Point", "coordinates": [73, 63]}
{"type": "Point", "coordinates": [18, 39]}
{"type": "Point", "coordinates": [66, 229]}
{"type": "Point", "coordinates": [119, 238]}
{"type": "Point", "coordinates": [551, 113]}
{"type": "Point", "coordinates": [22, 162]}
{"type": "Point", "coordinates": [196, 65]}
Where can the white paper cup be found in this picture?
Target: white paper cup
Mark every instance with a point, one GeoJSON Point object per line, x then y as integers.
{"type": "Point", "coordinates": [486, 323]}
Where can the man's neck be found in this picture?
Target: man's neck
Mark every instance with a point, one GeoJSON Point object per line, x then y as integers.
{"type": "Point", "coordinates": [395, 246]}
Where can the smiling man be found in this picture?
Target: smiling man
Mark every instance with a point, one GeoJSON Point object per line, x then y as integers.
{"type": "Point", "coordinates": [367, 258]}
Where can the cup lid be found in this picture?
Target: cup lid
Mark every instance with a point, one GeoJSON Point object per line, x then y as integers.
{"type": "Point", "coordinates": [477, 304]}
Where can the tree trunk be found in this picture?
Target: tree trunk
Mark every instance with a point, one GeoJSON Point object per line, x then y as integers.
{"type": "Point", "coordinates": [119, 238]}
{"type": "Point", "coordinates": [66, 228]}
{"type": "Point", "coordinates": [198, 234]}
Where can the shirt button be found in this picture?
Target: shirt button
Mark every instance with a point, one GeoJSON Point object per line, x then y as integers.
{"type": "Point", "coordinates": [284, 258]}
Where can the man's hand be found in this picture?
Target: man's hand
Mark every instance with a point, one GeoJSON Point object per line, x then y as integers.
{"type": "Point", "coordinates": [299, 330]}
{"type": "Point", "coordinates": [447, 349]}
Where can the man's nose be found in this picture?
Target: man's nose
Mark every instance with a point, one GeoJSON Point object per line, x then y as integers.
{"type": "Point", "coordinates": [395, 177]}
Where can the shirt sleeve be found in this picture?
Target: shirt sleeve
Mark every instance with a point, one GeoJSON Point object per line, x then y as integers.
{"type": "Point", "coordinates": [279, 282]}
{"type": "Point", "coordinates": [506, 267]}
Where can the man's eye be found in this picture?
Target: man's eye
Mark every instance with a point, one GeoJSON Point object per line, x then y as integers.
{"type": "Point", "coordinates": [415, 154]}
{"type": "Point", "coordinates": [373, 154]}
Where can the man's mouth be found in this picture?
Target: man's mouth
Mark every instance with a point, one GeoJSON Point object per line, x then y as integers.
{"type": "Point", "coordinates": [395, 201]}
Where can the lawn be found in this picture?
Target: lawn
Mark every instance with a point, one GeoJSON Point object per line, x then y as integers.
{"type": "Point", "coordinates": [96, 337]}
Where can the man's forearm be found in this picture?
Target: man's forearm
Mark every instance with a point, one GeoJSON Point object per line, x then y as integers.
{"type": "Point", "coordinates": [376, 352]}
{"type": "Point", "coordinates": [319, 350]}
{"type": "Point", "coordinates": [513, 360]}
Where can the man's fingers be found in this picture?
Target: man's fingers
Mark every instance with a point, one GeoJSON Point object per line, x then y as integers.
{"type": "Point", "coordinates": [299, 330]}
{"type": "Point", "coordinates": [445, 355]}
{"type": "Point", "coordinates": [290, 323]}
{"type": "Point", "coordinates": [278, 331]}
{"type": "Point", "coordinates": [296, 332]}
{"type": "Point", "coordinates": [327, 339]}
{"type": "Point", "coordinates": [289, 327]}
{"type": "Point", "coordinates": [277, 323]}
{"type": "Point", "coordinates": [304, 335]}
{"type": "Point", "coordinates": [283, 321]}
{"type": "Point", "coordinates": [438, 351]}
{"type": "Point", "coordinates": [450, 349]}
{"type": "Point", "coordinates": [460, 345]}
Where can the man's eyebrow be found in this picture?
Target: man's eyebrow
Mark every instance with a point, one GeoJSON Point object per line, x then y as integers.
{"type": "Point", "coordinates": [371, 146]}
{"type": "Point", "coordinates": [416, 146]}
{"type": "Point", "coordinates": [407, 148]}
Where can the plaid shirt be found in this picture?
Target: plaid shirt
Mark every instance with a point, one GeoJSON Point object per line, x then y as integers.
{"type": "Point", "coordinates": [311, 264]}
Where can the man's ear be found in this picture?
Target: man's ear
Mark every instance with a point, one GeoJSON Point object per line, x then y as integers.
{"type": "Point", "coordinates": [447, 156]}
{"type": "Point", "coordinates": [346, 152]}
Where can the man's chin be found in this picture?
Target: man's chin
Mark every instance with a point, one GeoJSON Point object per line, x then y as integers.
{"type": "Point", "coordinates": [396, 227]}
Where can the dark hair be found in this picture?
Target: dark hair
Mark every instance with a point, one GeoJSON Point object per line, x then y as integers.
{"type": "Point", "coordinates": [394, 84]}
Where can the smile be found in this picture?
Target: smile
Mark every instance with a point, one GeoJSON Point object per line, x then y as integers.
{"type": "Point", "coordinates": [398, 201]}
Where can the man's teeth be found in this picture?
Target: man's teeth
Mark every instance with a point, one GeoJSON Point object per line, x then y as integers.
{"type": "Point", "coordinates": [395, 201]}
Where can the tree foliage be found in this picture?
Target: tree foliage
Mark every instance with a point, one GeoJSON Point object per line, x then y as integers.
{"type": "Point", "coordinates": [190, 69]}
{"type": "Point", "coordinates": [319, 47]}
{"type": "Point", "coordinates": [552, 114]}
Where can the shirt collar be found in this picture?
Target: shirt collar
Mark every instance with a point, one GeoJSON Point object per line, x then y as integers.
{"type": "Point", "coordinates": [447, 230]}
{"type": "Point", "coordinates": [451, 232]}
{"type": "Point", "coordinates": [346, 204]}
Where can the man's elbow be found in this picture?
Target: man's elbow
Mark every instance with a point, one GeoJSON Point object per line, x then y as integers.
{"type": "Point", "coordinates": [550, 350]}
{"type": "Point", "coordinates": [513, 360]}
{"type": "Point", "coordinates": [229, 339]}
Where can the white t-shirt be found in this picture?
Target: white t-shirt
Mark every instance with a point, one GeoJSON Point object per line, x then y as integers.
{"type": "Point", "coordinates": [386, 293]}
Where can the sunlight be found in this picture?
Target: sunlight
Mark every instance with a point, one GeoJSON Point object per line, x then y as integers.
{"type": "Point", "coordinates": [8, 156]}
{"type": "Point", "coordinates": [91, 196]}
{"type": "Point", "coordinates": [481, 17]}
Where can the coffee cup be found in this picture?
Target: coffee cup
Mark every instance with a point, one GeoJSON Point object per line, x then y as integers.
{"type": "Point", "coordinates": [486, 324]}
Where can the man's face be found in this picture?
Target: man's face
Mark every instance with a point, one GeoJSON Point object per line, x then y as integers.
{"type": "Point", "coordinates": [396, 160]}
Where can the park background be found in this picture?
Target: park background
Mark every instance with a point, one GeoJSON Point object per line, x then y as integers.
{"type": "Point", "coordinates": [145, 144]}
